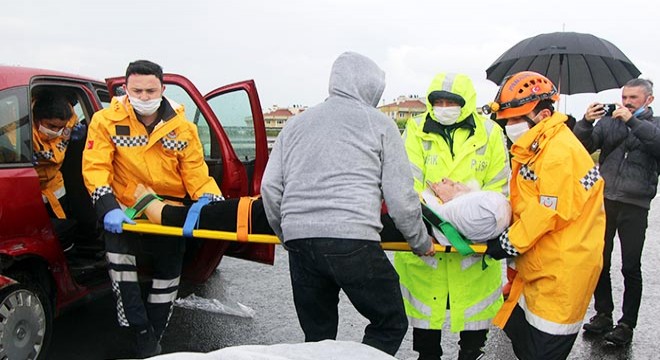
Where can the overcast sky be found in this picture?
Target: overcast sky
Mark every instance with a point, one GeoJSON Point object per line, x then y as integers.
{"type": "Point", "coordinates": [288, 46]}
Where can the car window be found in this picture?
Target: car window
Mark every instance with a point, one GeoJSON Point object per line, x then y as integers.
{"type": "Point", "coordinates": [15, 140]}
{"type": "Point", "coordinates": [180, 96]}
{"type": "Point", "coordinates": [104, 96]}
{"type": "Point", "coordinates": [235, 114]}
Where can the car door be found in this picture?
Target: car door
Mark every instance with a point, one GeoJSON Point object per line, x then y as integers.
{"type": "Point", "coordinates": [235, 176]}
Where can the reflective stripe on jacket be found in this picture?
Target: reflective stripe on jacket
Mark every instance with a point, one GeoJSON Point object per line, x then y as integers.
{"type": "Point", "coordinates": [49, 155]}
{"type": "Point", "coordinates": [480, 157]}
{"type": "Point", "coordinates": [558, 228]}
{"type": "Point", "coordinates": [121, 154]}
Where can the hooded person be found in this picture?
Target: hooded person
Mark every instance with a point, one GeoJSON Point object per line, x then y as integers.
{"type": "Point", "coordinates": [556, 234]}
{"type": "Point", "coordinates": [451, 140]}
{"type": "Point", "coordinates": [328, 173]}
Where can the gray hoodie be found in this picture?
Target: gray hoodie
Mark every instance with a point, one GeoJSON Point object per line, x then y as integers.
{"type": "Point", "coordinates": [333, 164]}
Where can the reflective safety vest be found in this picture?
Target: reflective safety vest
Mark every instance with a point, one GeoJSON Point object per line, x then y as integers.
{"type": "Point", "coordinates": [49, 156]}
{"type": "Point", "coordinates": [430, 285]}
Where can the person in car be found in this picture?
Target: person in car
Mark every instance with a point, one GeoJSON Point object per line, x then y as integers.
{"type": "Point", "coordinates": [143, 137]}
{"type": "Point", "coordinates": [54, 120]}
{"type": "Point", "coordinates": [54, 125]}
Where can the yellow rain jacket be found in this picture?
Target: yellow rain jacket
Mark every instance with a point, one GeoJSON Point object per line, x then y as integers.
{"type": "Point", "coordinates": [558, 228]}
{"type": "Point", "coordinates": [478, 154]}
{"type": "Point", "coordinates": [121, 154]}
{"type": "Point", "coordinates": [49, 155]}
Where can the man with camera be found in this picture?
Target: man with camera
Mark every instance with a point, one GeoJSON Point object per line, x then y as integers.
{"type": "Point", "coordinates": [629, 140]}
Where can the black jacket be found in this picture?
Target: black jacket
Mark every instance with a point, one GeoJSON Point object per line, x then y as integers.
{"type": "Point", "coordinates": [629, 157]}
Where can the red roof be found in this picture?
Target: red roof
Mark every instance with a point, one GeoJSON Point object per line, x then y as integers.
{"type": "Point", "coordinates": [413, 103]}
{"type": "Point", "coordinates": [279, 113]}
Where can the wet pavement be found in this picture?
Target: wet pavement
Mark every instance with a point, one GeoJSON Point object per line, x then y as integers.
{"type": "Point", "coordinates": [90, 332]}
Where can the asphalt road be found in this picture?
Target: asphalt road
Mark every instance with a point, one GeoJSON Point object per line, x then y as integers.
{"type": "Point", "coordinates": [90, 332]}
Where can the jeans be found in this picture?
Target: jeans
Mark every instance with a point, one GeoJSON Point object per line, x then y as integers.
{"type": "Point", "coordinates": [320, 267]}
{"type": "Point", "coordinates": [631, 222]}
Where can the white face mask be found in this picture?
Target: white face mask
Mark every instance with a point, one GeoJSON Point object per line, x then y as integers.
{"type": "Point", "coordinates": [515, 131]}
{"type": "Point", "coordinates": [50, 134]}
{"type": "Point", "coordinates": [145, 107]}
{"type": "Point", "coordinates": [447, 115]}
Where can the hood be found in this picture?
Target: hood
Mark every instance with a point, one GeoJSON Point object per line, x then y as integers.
{"type": "Point", "coordinates": [456, 84]}
{"type": "Point", "coordinates": [355, 76]}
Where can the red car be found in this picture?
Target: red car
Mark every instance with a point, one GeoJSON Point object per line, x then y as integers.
{"type": "Point", "coordinates": [37, 278]}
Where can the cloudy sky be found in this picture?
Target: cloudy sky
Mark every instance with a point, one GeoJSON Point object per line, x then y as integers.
{"type": "Point", "coordinates": [288, 46]}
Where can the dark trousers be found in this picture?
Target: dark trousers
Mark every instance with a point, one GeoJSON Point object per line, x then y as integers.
{"type": "Point", "coordinates": [164, 256]}
{"type": "Point", "coordinates": [630, 221]}
{"type": "Point", "coordinates": [427, 342]}
{"type": "Point", "coordinates": [320, 267]}
{"type": "Point", "coordinates": [530, 343]}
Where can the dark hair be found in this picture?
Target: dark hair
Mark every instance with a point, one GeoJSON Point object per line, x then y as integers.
{"type": "Point", "coordinates": [144, 67]}
{"type": "Point", "coordinates": [51, 106]}
{"type": "Point", "coordinates": [545, 104]}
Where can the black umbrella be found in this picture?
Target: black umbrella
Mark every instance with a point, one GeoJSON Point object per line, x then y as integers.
{"type": "Point", "coordinates": [583, 62]}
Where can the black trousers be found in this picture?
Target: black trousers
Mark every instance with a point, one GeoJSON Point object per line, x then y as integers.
{"type": "Point", "coordinates": [529, 343]}
{"type": "Point", "coordinates": [320, 267]}
{"type": "Point", "coordinates": [427, 342]}
{"type": "Point", "coordinates": [164, 255]}
{"type": "Point", "coordinates": [630, 222]}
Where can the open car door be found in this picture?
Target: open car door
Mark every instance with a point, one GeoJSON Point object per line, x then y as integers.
{"type": "Point", "coordinates": [233, 135]}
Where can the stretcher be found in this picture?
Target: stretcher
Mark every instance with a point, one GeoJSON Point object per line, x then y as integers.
{"type": "Point", "coordinates": [145, 227]}
{"type": "Point", "coordinates": [250, 223]}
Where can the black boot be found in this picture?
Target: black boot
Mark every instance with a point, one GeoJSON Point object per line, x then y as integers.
{"type": "Point", "coordinates": [471, 344]}
{"type": "Point", "coordinates": [146, 344]}
{"type": "Point", "coordinates": [470, 354]}
{"type": "Point", "coordinates": [427, 343]}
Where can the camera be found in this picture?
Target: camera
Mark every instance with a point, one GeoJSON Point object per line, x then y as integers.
{"type": "Point", "coordinates": [609, 109]}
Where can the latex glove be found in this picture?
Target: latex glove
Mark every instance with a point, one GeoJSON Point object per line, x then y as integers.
{"type": "Point", "coordinates": [113, 220]}
{"type": "Point", "coordinates": [78, 131]}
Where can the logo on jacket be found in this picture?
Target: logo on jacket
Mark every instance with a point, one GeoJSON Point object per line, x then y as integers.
{"type": "Point", "coordinates": [171, 135]}
{"type": "Point", "coordinates": [549, 201]}
{"type": "Point", "coordinates": [90, 144]}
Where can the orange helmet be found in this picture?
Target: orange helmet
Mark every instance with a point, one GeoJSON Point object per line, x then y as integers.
{"type": "Point", "coordinates": [520, 93]}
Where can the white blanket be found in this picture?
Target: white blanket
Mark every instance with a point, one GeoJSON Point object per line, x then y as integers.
{"type": "Point", "coordinates": [322, 350]}
{"type": "Point", "coordinates": [478, 215]}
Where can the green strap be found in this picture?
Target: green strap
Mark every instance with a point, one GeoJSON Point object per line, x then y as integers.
{"type": "Point", "coordinates": [457, 240]}
{"type": "Point", "coordinates": [140, 205]}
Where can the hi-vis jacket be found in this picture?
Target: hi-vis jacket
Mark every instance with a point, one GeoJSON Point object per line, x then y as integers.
{"type": "Point", "coordinates": [121, 154]}
{"type": "Point", "coordinates": [478, 154]}
{"type": "Point", "coordinates": [49, 155]}
{"type": "Point", "coordinates": [557, 229]}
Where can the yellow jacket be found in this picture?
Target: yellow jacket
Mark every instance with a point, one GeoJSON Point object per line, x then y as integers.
{"type": "Point", "coordinates": [49, 155]}
{"type": "Point", "coordinates": [558, 228]}
{"type": "Point", "coordinates": [478, 155]}
{"type": "Point", "coordinates": [121, 154]}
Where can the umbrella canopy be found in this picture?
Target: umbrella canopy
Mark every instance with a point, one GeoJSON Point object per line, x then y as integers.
{"type": "Point", "coordinates": [576, 63]}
